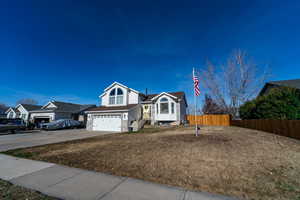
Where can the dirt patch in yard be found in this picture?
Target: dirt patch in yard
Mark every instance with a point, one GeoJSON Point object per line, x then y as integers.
{"type": "Point", "coordinates": [226, 160]}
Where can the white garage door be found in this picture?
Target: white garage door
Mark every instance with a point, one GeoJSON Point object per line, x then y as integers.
{"type": "Point", "coordinates": [107, 123]}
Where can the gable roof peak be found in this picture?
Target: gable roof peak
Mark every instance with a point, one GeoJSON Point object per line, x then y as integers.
{"type": "Point", "coordinates": [164, 93]}
{"type": "Point", "coordinates": [113, 84]}
{"type": "Point", "coordinates": [178, 94]}
{"type": "Point", "coordinates": [117, 83]}
{"type": "Point", "coordinates": [10, 109]}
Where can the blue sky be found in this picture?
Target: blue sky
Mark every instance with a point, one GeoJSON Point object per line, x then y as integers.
{"type": "Point", "coordinates": [72, 50]}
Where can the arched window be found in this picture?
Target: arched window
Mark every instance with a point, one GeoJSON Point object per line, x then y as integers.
{"type": "Point", "coordinates": [164, 99]}
{"type": "Point", "coordinates": [112, 97]}
{"type": "Point", "coordinates": [164, 106]}
{"type": "Point", "coordinates": [119, 96]}
{"type": "Point", "coordinates": [116, 96]}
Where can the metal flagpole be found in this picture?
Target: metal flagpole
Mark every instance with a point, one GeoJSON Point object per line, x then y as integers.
{"type": "Point", "coordinates": [195, 101]}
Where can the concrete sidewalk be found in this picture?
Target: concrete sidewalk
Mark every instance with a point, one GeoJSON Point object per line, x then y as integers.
{"type": "Point", "coordinates": [71, 183]}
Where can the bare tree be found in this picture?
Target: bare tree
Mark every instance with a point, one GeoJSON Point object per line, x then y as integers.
{"type": "Point", "coordinates": [27, 101]}
{"type": "Point", "coordinates": [236, 82]}
{"type": "Point", "coordinates": [211, 107]}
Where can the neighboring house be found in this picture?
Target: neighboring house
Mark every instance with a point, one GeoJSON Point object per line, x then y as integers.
{"type": "Point", "coordinates": [12, 113]}
{"type": "Point", "coordinates": [55, 110]}
{"type": "Point", "coordinates": [25, 109]}
{"type": "Point", "coordinates": [123, 108]}
{"type": "Point", "coordinates": [294, 83]}
{"type": "Point", "coordinates": [21, 111]}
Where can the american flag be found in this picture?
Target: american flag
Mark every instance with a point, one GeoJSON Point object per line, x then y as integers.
{"type": "Point", "coordinates": [196, 85]}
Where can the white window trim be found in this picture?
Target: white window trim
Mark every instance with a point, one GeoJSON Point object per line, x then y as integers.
{"type": "Point", "coordinates": [164, 102]}
{"type": "Point", "coordinates": [115, 96]}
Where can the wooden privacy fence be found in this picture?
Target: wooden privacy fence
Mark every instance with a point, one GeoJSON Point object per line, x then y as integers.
{"type": "Point", "coordinates": [210, 120]}
{"type": "Point", "coordinates": [289, 128]}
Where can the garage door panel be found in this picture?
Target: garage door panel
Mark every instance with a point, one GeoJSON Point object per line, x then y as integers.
{"type": "Point", "coordinates": [107, 123]}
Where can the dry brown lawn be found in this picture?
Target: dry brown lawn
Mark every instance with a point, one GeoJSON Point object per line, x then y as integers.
{"type": "Point", "coordinates": [9, 191]}
{"type": "Point", "coordinates": [233, 161]}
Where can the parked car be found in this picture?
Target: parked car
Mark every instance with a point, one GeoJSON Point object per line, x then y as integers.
{"type": "Point", "coordinates": [61, 124]}
{"type": "Point", "coordinates": [12, 125]}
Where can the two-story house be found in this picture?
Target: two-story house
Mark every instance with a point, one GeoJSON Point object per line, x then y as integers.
{"type": "Point", "coordinates": [123, 108]}
{"type": "Point", "coordinates": [21, 111]}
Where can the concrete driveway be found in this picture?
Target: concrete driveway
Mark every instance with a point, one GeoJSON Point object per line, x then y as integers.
{"type": "Point", "coordinates": [37, 138]}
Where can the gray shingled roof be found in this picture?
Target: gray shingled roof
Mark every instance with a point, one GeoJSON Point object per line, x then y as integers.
{"type": "Point", "coordinates": [112, 108]}
{"type": "Point", "coordinates": [71, 107]}
{"type": "Point", "coordinates": [30, 107]}
{"type": "Point", "coordinates": [294, 83]}
{"type": "Point", "coordinates": [66, 107]}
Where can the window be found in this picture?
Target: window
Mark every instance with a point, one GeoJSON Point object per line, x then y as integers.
{"type": "Point", "coordinates": [23, 116]}
{"type": "Point", "coordinates": [116, 96]}
{"type": "Point", "coordinates": [112, 97]}
{"type": "Point", "coordinates": [164, 106]}
{"type": "Point", "coordinates": [119, 96]}
{"type": "Point", "coordinates": [156, 108]}
{"type": "Point", "coordinates": [172, 108]}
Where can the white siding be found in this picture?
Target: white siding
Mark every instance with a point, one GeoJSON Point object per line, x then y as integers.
{"type": "Point", "coordinates": [133, 97]}
{"type": "Point", "coordinates": [23, 113]}
{"type": "Point", "coordinates": [89, 122]}
{"type": "Point", "coordinates": [104, 100]}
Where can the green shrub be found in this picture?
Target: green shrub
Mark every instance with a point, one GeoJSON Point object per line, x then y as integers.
{"type": "Point", "coordinates": [279, 103]}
